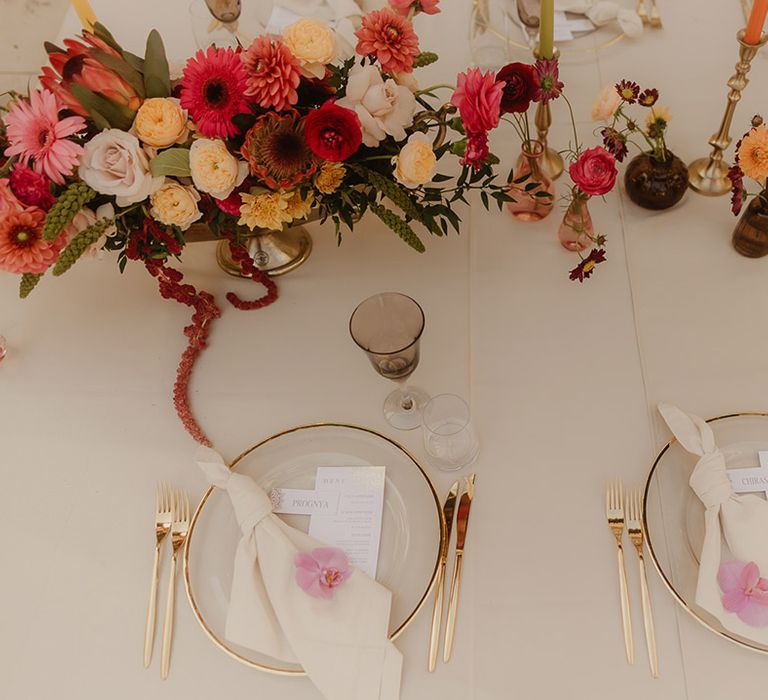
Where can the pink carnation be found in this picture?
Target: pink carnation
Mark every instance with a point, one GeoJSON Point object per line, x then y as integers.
{"type": "Point", "coordinates": [478, 97]}
{"type": "Point", "coordinates": [594, 172]}
{"type": "Point", "coordinates": [390, 38]}
{"type": "Point", "coordinates": [403, 7]}
{"type": "Point", "coordinates": [273, 73]}
{"type": "Point", "coordinates": [31, 189]}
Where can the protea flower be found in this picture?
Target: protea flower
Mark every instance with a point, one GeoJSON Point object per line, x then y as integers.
{"type": "Point", "coordinates": [79, 64]}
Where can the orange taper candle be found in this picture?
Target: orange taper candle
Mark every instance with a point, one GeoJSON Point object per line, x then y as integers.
{"type": "Point", "coordinates": [754, 28]}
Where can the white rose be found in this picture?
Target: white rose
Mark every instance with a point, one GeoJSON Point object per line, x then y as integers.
{"type": "Point", "coordinates": [416, 163]}
{"type": "Point", "coordinates": [214, 169]}
{"type": "Point", "coordinates": [114, 163]}
{"type": "Point", "coordinates": [383, 107]}
{"type": "Point", "coordinates": [175, 205]}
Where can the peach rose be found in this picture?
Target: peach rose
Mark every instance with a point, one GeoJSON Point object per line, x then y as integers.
{"type": "Point", "coordinates": [416, 163]}
{"type": "Point", "coordinates": [175, 205]}
{"type": "Point", "coordinates": [313, 43]}
{"type": "Point", "coordinates": [161, 122]}
{"type": "Point", "coordinates": [606, 104]}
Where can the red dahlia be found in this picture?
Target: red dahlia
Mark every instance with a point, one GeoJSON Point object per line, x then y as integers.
{"type": "Point", "coordinates": [277, 152]}
{"type": "Point", "coordinates": [520, 85]}
{"type": "Point", "coordinates": [333, 133]}
{"type": "Point", "coordinates": [212, 89]}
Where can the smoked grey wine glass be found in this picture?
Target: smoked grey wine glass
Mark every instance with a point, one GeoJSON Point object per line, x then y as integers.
{"type": "Point", "coordinates": [388, 328]}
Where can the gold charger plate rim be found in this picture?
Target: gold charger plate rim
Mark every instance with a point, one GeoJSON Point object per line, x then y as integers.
{"type": "Point", "coordinates": [277, 670]}
{"type": "Point", "coordinates": [753, 646]}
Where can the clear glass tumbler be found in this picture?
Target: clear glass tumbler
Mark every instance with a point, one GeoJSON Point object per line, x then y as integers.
{"type": "Point", "coordinates": [449, 437]}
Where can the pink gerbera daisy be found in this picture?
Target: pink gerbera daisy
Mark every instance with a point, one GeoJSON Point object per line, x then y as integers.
{"type": "Point", "coordinates": [35, 133]}
{"type": "Point", "coordinates": [212, 90]}
{"type": "Point", "coordinates": [22, 246]}
{"type": "Point", "coordinates": [390, 38]}
{"type": "Point", "coordinates": [273, 73]}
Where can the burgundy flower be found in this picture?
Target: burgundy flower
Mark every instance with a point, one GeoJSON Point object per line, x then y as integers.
{"type": "Point", "coordinates": [476, 152]}
{"type": "Point", "coordinates": [586, 267]}
{"type": "Point", "coordinates": [736, 176]}
{"type": "Point", "coordinates": [31, 188]}
{"type": "Point", "coordinates": [332, 132]}
{"type": "Point", "coordinates": [520, 85]}
{"type": "Point", "coordinates": [615, 143]}
{"type": "Point", "coordinates": [548, 74]}
{"type": "Point", "coordinates": [648, 98]}
{"type": "Point", "coordinates": [594, 171]}
{"type": "Point", "coordinates": [628, 91]}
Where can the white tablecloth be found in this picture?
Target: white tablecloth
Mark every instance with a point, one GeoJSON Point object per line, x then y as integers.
{"type": "Point", "coordinates": [562, 378]}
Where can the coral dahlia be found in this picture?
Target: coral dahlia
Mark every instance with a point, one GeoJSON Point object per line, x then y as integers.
{"type": "Point", "coordinates": [22, 246]}
{"type": "Point", "coordinates": [390, 38]}
{"type": "Point", "coordinates": [212, 90]}
{"type": "Point", "coordinates": [273, 73]}
{"type": "Point", "coordinates": [35, 133]}
{"type": "Point", "coordinates": [277, 151]}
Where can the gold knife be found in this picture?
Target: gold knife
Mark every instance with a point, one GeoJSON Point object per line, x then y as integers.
{"type": "Point", "coordinates": [437, 612]}
{"type": "Point", "coordinates": [462, 520]}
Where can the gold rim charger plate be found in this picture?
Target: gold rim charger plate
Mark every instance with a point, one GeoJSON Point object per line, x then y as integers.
{"type": "Point", "coordinates": [412, 532]}
{"type": "Point", "coordinates": [674, 515]}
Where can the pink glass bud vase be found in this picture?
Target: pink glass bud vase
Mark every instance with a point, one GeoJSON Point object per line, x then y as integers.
{"type": "Point", "coordinates": [533, 191]}
{"type": "Point", "coordinates": [576, 231]}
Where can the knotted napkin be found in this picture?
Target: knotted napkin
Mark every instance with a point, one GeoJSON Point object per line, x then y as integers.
{"type": "Point", "coordinates": [341, 643]}
{"type": "Point", "coordinates": [730, 584]}
{"type": "Point", "coordinates": [602, 12]}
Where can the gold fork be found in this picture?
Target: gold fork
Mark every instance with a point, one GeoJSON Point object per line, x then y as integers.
{"type": "Point", "coordinates": [179, 530]}
{"type": "Point", "coordinates": [614, 511]}
{"type": "Point", "coordinates": [635, 530]}
{"type": "Point", "coordinates": [655, 17]}
{"type": "Point", "coordinates": [163, 517]}
{"type": "Point", "coordinates": [641, 12]}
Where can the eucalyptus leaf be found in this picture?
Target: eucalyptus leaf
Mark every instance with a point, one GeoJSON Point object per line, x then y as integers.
{"type": "Point", "coordinates": [106, 36]}
{"type": "Point", "coordinates": [157, 80]}
{"type": "Point", "coordinates": [173, 162]}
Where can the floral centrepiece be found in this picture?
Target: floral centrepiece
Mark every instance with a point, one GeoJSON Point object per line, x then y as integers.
{"type": "Point", "coordinates": [113, 154]}
{"type": "Point", "coordinates": [321, 571]}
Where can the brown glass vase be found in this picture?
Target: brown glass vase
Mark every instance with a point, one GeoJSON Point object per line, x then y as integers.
{"type": "Point", "coordinates": [750, 237]}
{"type": "Point", "coordinates": [656, 184]}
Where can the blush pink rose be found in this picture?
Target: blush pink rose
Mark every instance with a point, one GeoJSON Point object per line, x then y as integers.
{"type": "Point", "coordinates": [594, 172]}
{"type": "Point", "coordinates": [478, 97]}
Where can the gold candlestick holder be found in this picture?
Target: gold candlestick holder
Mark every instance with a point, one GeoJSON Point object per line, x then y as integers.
{"type": "Point", "coordinates": [709, 176]}
{"type": "Point", "coordinates": [552, 162]}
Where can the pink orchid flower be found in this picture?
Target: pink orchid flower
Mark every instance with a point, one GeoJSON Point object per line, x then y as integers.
{"type": "Point", "coordinates": [321, 570]}
{"type": "Point", "coordinates": [745, 592]}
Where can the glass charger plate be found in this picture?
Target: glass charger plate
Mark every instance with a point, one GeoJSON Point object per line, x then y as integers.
{"type": "Point", "coordinates": [411, 536]}
{"type": "Point", "coordinates": [674, 516]}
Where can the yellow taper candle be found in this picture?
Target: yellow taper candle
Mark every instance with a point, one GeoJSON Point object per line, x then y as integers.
{"type": "Point", "coordinates": [547, 29]}
{"type": "Point", "coordinates": [85, 13]}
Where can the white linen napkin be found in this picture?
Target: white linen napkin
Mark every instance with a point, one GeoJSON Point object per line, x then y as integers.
{"type": "Point", "coordinates": [603, 12]}
{"type": "Point", "coordinates": [741, 519]}
{"type": "Point", "coordinates": [341, 643]}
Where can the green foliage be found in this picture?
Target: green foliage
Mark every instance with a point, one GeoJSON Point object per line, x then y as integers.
{"type": "Point", "coordinates": [391, 189]}
{"type": "Point", "coordinates": [398, 225]}
{"type": "Point", "coordinates": [173, 162]}
{"type": "Point", "coordinates": [157, 79]}
{"type": "Point", "coordinates": [79, 244]}
{"type": "Point", "coordinates": [71, 201]}
{"type": "Point", "coordinates": [425, 58]}
{"type": "Point", "coordinates": [104, 112]}
{"type": "Point", "coordinates": [28, 283]}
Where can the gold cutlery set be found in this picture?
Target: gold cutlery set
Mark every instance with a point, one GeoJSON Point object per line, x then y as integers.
{"type": "Point", "coordinates": [171, 517]}
{"type": "Point", "coordinates": [462, 521]}
{"type": "Point", "coordinates": [617, 502]}
{"type": "Point", "coordinates": [653, 19]}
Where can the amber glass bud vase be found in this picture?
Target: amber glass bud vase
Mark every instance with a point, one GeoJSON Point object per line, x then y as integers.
{"type": "Point", "coordinates": [533, 191]}
{"type": "Point", "coordinates": [576, 230]}
{"type": "Point", "coordinates": [750, 237]}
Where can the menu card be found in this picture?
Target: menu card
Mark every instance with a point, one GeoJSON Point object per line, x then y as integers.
{"type": "Point", "coordinates": [345, 511]}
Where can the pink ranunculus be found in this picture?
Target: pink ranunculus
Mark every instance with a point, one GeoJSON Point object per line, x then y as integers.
{"type": "Point", "coordinates": [321, 570]}
{"type": "Point", "coordinates": [745, 592]}
{"type": "Point", "coordinates": [403, 7]}
{"type": "Point", "coordinates": [478, 97]}
{"type": "Point", "coordinates": [594, 172]}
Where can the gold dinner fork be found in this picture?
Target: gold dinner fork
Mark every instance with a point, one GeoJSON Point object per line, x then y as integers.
{"type": "Point", "coordinates": [614, 511]}
{"type": "Point", "coordinates": [635, 530]}
{"type": "Point", "coordinates": [179, 530]}
{"type": "Point", "coordinates": [163, 518]}
{"type": "Point", "coordinates": [655, 17]}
